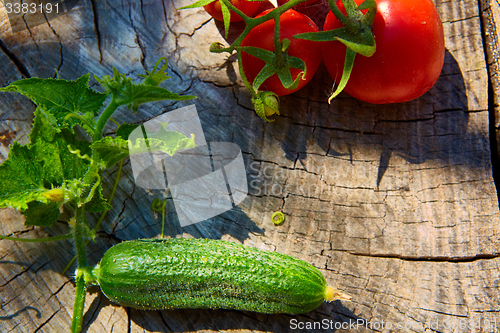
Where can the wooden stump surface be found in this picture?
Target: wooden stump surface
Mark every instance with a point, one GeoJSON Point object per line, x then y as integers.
{"type": "Point", "coordinates": [395, 204]}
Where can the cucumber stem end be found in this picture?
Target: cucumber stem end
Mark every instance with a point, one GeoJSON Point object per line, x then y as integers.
{"type": "Point", "coordinates": [332, 294]}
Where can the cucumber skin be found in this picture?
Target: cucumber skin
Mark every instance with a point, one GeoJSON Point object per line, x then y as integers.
{"type": "Point", "coordinates": [178, 273]}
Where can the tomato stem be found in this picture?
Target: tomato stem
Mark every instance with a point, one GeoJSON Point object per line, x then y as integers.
{"type": "Point", "coordinates": [244, 78]}
{"type": "Point", "coordinates": [277, 44]}
{"type": "Point", "coordinates": [280, 59]}
{"type": "Point", "coordinates": [252, 22]}
{"type": "Point", "coordinates": [339, 15]}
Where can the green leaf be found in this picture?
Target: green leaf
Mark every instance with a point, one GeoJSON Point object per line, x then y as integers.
{"type": "Point", "coordinates": [42, 171]}
{"type": "Point", "coordinates": [362, 42]}
{"type": "Point", "coordinates": [98, 203]}
{"type": "Point", "coordinates": [44, 126]}
{"type": "Point", "coordinates": [366, 50]}
{"type": "Point", "coordinates": [163, 140]}
{"type": "Point", "coordinates": [264, 55]}
{"type": "Point", "coordinates": [346, 73]}
{"type": "Point", "coordinates": [266, 72]}
{"type": "Point", "coordinates": [61, 98]}
{"type": "Point", "coordinates": [21, 179]}
{"type": "Point", "coordinates": [367, 4]}
{"type": "Point", "coordinates": [154, 78]}
{"type": "Point", "coordinates": [41, 214]}
{"type": "Point", "coordinates": [126, 92]}
{"type": "Point", "coordinates": [137, 94]}
{"type": "Point", "coordinates": [125, 129]}
{"type": "Point", "coordinates": [199, 3]}
{"type": "Point", "coordinates": [287, 80]}
{"type": "Point", "coordinates": [61, 156]}
{"type": "Point", "coordinates": [111, 150]}
{"type": "Point", "coordinates": [226, 17]}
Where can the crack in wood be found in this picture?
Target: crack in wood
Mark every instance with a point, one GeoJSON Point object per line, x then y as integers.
{"type": "Point", "coordinates": [138, 38]}
{"type": "Point", "coordinates": [17, 62]}
{"type": "Point", "coordinates": [449, 259]}
{"type": "Point", "coordinates": [38, 329]}
{"type": "Point", "coordinates": [489, 37]}
{"type": "Point", "coordinates": [96, 28]}
{"type": "Point", "coordinates": [59, 41]}
{"type": "Point", "coordinates": [17, 275]}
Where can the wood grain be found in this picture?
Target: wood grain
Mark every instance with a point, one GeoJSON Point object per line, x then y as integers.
{"type": "Point", "coordinates": [395, 204]}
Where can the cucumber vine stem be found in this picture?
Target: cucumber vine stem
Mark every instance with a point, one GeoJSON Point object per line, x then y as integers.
{"type": "Point", "coordinates": [38, 240]}
{"type": "Point", "coordinates": [81, 228]}
{"type": "Point", "coordinates": [103, 119]}
{"type": "Point", "coordinates": [80, 232]}
{"type": "Point", "coordinates": [102, 216]}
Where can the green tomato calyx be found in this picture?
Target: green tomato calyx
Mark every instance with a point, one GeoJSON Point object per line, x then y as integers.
{"type": "Point", "coordinates": [356, 34]}
{"type": "Point", "coordinates": [278, 62]}
{"type": "Point", "coordinates": [266, 104]}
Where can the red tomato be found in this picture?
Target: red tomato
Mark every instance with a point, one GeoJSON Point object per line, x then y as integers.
{"type": "Point", "coordinates": [247, 7]}
{"type": "Point", "coordinates": [301, 6]}
{"type": "Point", "coordinates": [291, 23]}
{"type": "Point", "coordinates": [409, 55]}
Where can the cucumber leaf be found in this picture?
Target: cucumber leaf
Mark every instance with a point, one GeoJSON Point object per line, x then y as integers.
{"type": "Point", "coordinates": [53, 159]}
{"type": "Point", "coordinates": [41, 214]}
{"type": "Point", "coordinates": [155, 77]}
{"type": "Point", "coordinates": [125, 129]}
{"type": "Point", "coordinates": [125, 92]}
{"type": "Point", "coordinates": [65, 102]}
{"type": "Point", "coordinates": [112, 150]}
{"type": "Point", "coordinates": [163, 140]}
{"type": "Point", "coordinates": [98, 203]}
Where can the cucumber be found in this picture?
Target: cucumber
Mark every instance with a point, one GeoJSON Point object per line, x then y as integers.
{"type": "Point", "coordinates": [178, 273]}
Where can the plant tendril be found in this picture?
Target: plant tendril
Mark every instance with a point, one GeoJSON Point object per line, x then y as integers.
{"type": "Point", "coordinates": [78, 153]}
{"type": "Point", "coordinates": [280, 220]}
{"type": "Point", "coordinates": [159, 205]}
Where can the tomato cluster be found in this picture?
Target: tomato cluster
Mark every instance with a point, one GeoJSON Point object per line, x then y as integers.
{"type": "Point", "coordinates": [262, 36]}
{"type": "Point", "coordinates": [407, 62]}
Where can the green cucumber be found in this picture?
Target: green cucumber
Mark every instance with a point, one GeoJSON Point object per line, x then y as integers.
{"type": "Point", "coordinates": [177, 273]}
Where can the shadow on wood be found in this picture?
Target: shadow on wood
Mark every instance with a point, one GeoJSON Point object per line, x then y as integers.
{"type": "Point", "coordinates": [327, 318]}
{"type": "Point", "coordinates": [432, 127]}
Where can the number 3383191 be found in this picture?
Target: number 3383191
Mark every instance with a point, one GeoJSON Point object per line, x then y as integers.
{"type": "Point", "coordinates": [31, 8]}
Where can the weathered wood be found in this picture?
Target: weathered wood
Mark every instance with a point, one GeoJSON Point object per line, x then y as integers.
{"type": "Point", "coordinates": [490, 11]}
{"type": "Point", "coordinates": [396, 204]}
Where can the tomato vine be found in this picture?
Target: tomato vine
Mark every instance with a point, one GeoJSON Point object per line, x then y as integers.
{"type": "Point", "coordinates": [356, 35]}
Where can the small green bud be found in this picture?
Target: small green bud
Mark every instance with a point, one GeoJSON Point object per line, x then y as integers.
{"type": "Point", "coordinates": [216, 47]}
{"type": "Point", "coordinates": [266, 104]}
